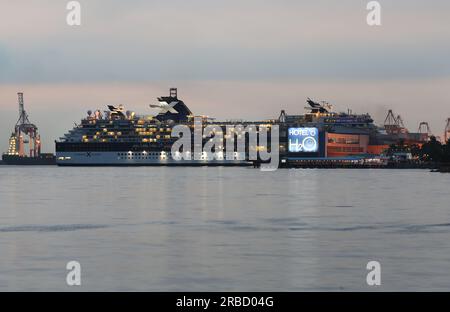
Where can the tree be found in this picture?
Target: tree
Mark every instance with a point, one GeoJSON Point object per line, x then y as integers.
{"type": "Point", "coordinates": [432, 151]}
{"type": "Point", "coordinates": [397, 147]}
{"type": "Point", "coordinates": [415, 150]}
{"type": "Point", "coordinates": [446, 152]}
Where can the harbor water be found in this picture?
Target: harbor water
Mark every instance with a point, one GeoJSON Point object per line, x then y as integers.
{"type": "Point", "coordinates": [223, 229]}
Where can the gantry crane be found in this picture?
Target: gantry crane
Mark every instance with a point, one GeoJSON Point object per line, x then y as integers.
{"type": "Point", "coordinates": [394, 125]}
{"type": "Point", "coordinates": [447, 131]}
{"type": "Point", "coordinates": [25, 133]}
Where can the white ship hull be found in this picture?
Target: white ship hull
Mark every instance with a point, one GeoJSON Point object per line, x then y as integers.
{"type": "Point", "coordinates": [136, 159]}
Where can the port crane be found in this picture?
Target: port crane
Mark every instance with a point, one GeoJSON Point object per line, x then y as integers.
{"type": "Point", "coordinates": [394, 125]}
{"type": "Point", "coordinates": [25, 133]}
{"type": "Point", "coordinates": [447, 131]}
{"type": "Point", "coordinates": [424, 130]}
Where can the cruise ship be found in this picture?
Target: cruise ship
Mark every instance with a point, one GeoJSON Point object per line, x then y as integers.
{"type": "Point", "coordinates": [344, 133]}
{"type": "Point", "coordinates": [117, 137]}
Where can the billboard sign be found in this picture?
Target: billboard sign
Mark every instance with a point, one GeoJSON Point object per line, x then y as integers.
{"type": "Point", "coordinates": [303, 140]}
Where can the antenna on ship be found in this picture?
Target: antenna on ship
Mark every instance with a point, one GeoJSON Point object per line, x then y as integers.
{"type": "Point", "coordinates": [173, 92]}
{"type": "Point", "coordinates": [282, 117]}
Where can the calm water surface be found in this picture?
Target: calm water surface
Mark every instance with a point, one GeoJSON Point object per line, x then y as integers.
{"type": "Point", "coordinates": [223, 229]}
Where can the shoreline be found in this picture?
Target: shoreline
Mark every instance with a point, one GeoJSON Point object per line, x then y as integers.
{"type": "Point", "coordinates": [432, 167]}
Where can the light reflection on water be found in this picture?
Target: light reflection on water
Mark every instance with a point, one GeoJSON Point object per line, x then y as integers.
{"type": "Point", "coordinates": [223, 229]}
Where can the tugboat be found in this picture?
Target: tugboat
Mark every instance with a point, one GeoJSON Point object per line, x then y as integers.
{"type": "Point", "coordinates": [26, 134]}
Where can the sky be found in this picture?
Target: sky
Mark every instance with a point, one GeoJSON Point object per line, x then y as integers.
{"type": "Point", "coordinates": [245, 59]}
